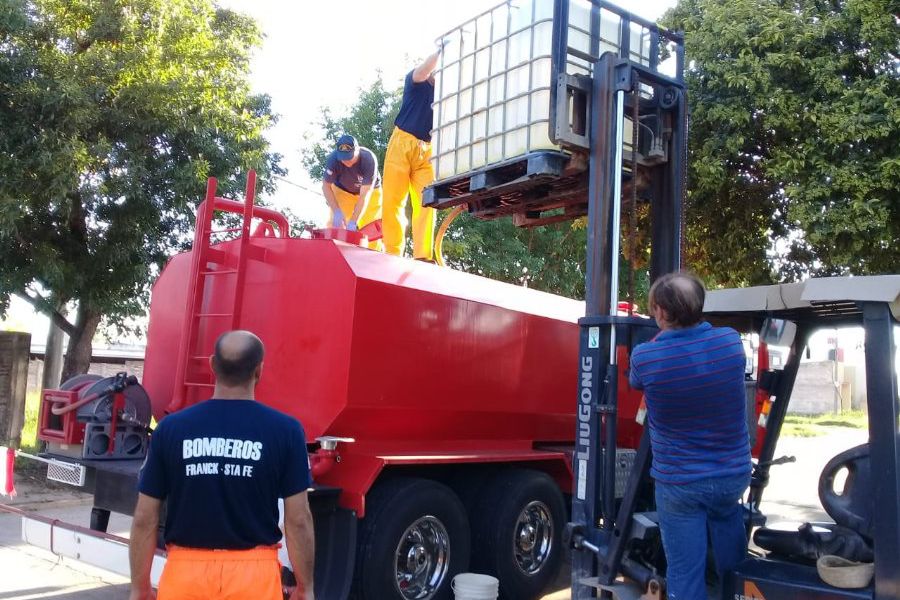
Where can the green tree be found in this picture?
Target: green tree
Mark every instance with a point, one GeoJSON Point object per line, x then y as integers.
{"type": "Point", "coordinates": [795, 112]}
{"type": "Point", "coordinates": [370, 120]}
{"type": "Point", "coordinates": [113, 114]}
{"type": "Point", "coordinates": [548, 258]}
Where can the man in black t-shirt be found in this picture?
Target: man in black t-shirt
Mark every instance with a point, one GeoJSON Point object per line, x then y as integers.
{"type": "Point", "coordinates": [352, 186]}
{"type": "Point", "coordinates": [221, 467]}
{"type": "Point", "coordinates": [407, 165]}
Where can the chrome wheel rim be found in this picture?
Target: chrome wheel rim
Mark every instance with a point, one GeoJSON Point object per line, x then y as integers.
{"type": "Point", "coordinates": [533, 537]}
{"type": "Point", "coordinates": [422, 559]}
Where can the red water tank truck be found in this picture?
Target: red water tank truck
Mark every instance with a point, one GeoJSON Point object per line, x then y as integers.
{"type": "Point", "coordinates": [440, 405]}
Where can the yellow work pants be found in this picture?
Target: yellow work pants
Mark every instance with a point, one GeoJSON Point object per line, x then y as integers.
{"type": "Point", "coordinates": [372, 212]}
{"type": "Point", "coordinates": [407, 170]}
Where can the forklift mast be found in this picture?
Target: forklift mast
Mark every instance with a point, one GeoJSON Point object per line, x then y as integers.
{"type": "Point", "coordinates": [620, 86]}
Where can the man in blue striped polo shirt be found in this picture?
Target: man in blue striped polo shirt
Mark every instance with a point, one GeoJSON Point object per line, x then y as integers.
{"type": "Point", "coordinates": [692, 375]}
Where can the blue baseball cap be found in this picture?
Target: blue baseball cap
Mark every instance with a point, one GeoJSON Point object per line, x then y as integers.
{"type": "Point", "coordinates": [347, 147]}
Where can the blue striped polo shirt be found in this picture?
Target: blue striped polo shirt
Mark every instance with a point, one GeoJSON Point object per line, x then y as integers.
{"type": "Point", "coordinates": [693, 380]}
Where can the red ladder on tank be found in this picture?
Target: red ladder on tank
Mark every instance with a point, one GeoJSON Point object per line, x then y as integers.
{"type": "Point", "coordinates": [206, 261]}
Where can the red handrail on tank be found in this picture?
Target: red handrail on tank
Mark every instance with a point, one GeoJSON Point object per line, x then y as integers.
{"type": "Point", "coordinates": [266, 215]}
{"type": "Point", "coordinates": [263, 229]}
{"type": "Point", "coordinates": [185, 376]}
{"type": "Point", "coordinates": [249, 199]}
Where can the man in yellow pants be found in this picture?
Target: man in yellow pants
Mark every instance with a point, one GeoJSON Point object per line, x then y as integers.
{"type": "Point", "coordinates": [407, 165]}
{"type": "Point", "coordinates": [352, 186]}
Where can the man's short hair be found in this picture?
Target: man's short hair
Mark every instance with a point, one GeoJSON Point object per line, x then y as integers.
{"type": "Point", "coordinates": [236, 364]}
{"type": "Point", "coordinates": [681, 296]}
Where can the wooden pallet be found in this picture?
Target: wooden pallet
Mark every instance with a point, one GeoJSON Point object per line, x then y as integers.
{"type": "Point", "coordinates": [535, 189]}
{"type": "Point", "coordinates": [515, 174]}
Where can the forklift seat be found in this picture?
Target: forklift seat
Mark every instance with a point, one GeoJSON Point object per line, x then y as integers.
{"type": "Point", "coordinates": [850, 536]}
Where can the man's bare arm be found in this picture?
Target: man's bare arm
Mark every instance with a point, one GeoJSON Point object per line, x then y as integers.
{"type": "Point", "coordinates": [332, 204]}
{"type": "Point", "coordinates": [142, 547]}
{"type": "Point", "coordinates": [301, 543]}
{"type": "Point", "coordinates": [365, 191]}
{"type": "Point", "coordinates": [424, 70]}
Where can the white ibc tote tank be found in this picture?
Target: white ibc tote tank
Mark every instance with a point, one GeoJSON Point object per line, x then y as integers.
{"type": "Point", "coordinates": [492, 85]}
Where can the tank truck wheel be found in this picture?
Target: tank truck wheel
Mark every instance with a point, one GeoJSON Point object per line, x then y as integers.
{"type": "Point", "coordinates": [412, 541]}
{"type": "Point", "coordinates": [517, 532]}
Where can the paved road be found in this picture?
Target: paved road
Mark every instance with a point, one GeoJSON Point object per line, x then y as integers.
{"type": "Point", "coordinates": [792, 494]}
{"type": "Point", "coordinates": [30, 573]}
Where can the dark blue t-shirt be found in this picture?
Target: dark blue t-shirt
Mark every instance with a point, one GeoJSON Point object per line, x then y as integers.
{"type": "Point", "coordinates": [222, 465]}
{"type": "Point", "coordinates": [349, 179]}
{"type": "Point", "coordinates": [693, 380]}
{"type": "Point", "coordinates": [415, 114]}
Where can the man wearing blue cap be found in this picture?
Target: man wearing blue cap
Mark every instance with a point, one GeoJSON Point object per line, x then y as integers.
{"type": "Point", "coordinates": [352, 186]}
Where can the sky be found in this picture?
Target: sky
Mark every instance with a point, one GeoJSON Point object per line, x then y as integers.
{"type": "Point", "coordinates": [319, 53]}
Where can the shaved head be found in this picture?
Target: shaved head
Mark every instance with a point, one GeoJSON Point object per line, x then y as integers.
{"type": "Point", "coordinates": [237, 355]}
{"type": "Point", "coordinates": [680, 296]}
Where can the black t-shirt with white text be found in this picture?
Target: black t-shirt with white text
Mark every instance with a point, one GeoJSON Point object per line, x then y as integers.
{"type": "Point", "coordinates": [222, 465]}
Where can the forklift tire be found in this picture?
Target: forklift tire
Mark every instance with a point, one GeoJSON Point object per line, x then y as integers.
{"type": "Point", "coordinates": [413, 540]}
{"type": "Point", "coordinates": [517, 532]}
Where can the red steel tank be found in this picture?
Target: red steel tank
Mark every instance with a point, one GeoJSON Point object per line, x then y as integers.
{"type": "Point", "coordinates": [381, 348]}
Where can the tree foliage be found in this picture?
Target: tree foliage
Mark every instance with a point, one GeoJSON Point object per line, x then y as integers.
{"type": "Point", "coordinates": [370, 120]}
{"type": "Point", "coordinates": [113, 114]}
{"type": "Point", "coordinates": [549, 258]}
{"type": "Point", "coordinates": [794, 135]}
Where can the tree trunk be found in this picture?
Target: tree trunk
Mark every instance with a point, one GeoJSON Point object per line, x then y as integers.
{"type": "Point", "coordinates": [78, 353]}
{"type": "Point", "coordinates": [53, 356]}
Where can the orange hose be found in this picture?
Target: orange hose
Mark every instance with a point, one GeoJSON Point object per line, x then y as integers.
{"type": "Point", "coordinates": [70, 407]}
{"type": "Point", "coordinates": [442, 230]}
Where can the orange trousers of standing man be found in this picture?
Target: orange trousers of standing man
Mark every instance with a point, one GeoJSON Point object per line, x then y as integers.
{"type": "Point", "coordinates": [407, 171]}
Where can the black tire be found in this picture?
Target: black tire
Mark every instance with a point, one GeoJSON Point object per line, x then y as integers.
{"type": "Point", "coordinates": [393, 507]}
{"type": "Point", "coordinates": [496, 527]}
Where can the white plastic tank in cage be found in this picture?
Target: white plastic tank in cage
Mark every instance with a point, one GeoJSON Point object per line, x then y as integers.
{"type": "Point", "coordinates": [493, 82]}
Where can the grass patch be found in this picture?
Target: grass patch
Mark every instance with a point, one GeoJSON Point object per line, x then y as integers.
{"type": "Point", "coordinates": [813, 425]}
{"type": "Point", "coordinates": [29, 441]}
{"type": "Point", "coordinates": [29, 430]}
{"type": "Point", "coordinates": [801, 430]}
{"type": "Point", "coordinates": [855, 419]}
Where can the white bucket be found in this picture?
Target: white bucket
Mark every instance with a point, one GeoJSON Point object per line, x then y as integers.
{"type": "Point", "coordinates": [474, 586]}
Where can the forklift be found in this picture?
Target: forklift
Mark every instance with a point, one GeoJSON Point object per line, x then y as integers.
{"type": "Point", "coordinates": [615, 541]}
{"type": "Point", "coordinates": [614, 537]}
